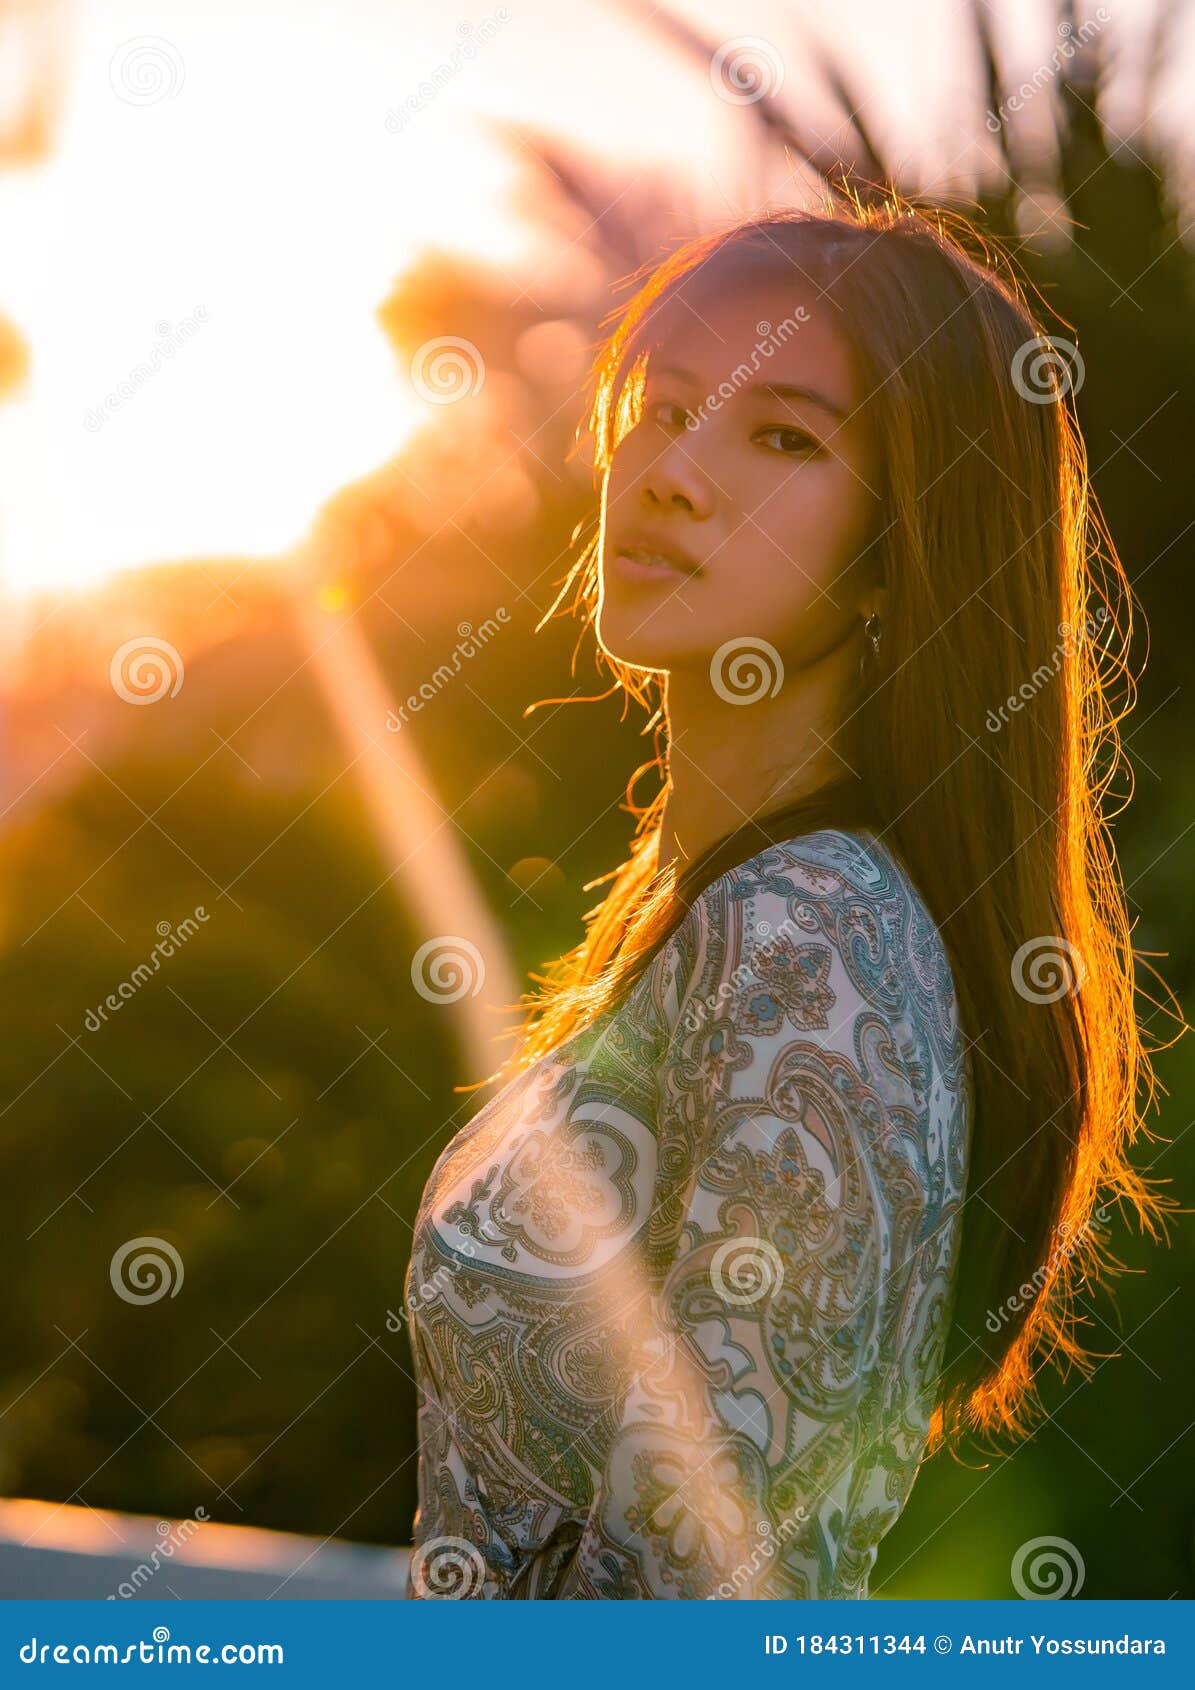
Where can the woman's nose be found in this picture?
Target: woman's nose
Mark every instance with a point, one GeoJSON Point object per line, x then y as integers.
{"type": "Point", "coordinates": [676, 482]}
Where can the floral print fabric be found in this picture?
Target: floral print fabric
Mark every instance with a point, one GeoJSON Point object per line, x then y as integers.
{"type": "Point", "coordinates": [679, 1293]}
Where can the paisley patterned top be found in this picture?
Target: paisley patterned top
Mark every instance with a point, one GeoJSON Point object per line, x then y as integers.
{"type": "Point", "coordinates": [679, 1292]}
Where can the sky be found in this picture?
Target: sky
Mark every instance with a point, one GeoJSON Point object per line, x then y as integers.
{"type": "Point", "coordinates": [231, 194]}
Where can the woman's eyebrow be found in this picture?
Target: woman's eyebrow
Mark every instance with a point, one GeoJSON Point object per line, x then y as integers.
{"type": "Point", "coordinates": [673, 370]}
{"type": "Point", "coordinates": [776, 389]}
{"type": "Point", "coordinates": [790, 390]}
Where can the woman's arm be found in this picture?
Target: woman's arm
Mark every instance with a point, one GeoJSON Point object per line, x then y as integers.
{"type": "Point", "coordinates": [770, 1396]}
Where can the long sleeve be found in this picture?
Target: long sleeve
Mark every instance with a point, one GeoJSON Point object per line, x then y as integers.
{"type": "Point", "coordinates": [787, 1362]}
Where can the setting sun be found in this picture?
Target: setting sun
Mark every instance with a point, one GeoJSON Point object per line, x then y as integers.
{"type": "Point", "coordinates": [198, 297]}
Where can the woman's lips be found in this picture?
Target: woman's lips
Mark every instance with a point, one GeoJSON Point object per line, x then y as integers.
{"type": "Point", "coordinates": [639, 563]}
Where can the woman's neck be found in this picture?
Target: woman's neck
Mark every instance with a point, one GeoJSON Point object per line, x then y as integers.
{"type": "Point", "coordinates": [729, 763]}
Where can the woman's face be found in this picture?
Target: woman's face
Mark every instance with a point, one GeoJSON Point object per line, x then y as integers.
{"type": "Point", "coordinates": [736, 506]}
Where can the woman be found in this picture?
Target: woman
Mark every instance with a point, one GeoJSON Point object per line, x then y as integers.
{"type": "Point", "coordinates": [849, 1047]}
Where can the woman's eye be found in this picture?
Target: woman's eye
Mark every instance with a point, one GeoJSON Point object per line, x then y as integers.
{"type": "Point", "coordinates": [669, 414]}
{"type": "Point", "coordinates": [793, 442]}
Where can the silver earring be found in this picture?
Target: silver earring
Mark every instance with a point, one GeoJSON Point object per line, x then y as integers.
{"type": "Point", "coordinates": [872, 630]}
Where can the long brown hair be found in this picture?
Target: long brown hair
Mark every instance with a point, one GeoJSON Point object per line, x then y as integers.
{"type": "Point", "coordinates": [987, 747]}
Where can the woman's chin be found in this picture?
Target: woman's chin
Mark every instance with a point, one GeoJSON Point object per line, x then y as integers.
{"type": "Point", "coordinates": [631, 638]}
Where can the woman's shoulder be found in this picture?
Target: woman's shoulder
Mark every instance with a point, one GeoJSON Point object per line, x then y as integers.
{"type": "Point", "coordinates": [810, 994]}
{"type": "Point", "coordinates": [834, 863]}
{"type": "Point", "coordinates": [847, 875]}
{"type": "Point", "coordinates": [837, 906]}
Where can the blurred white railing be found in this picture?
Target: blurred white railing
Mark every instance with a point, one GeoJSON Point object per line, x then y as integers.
{"type": "Point", "coordinates": [52, 1549]}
